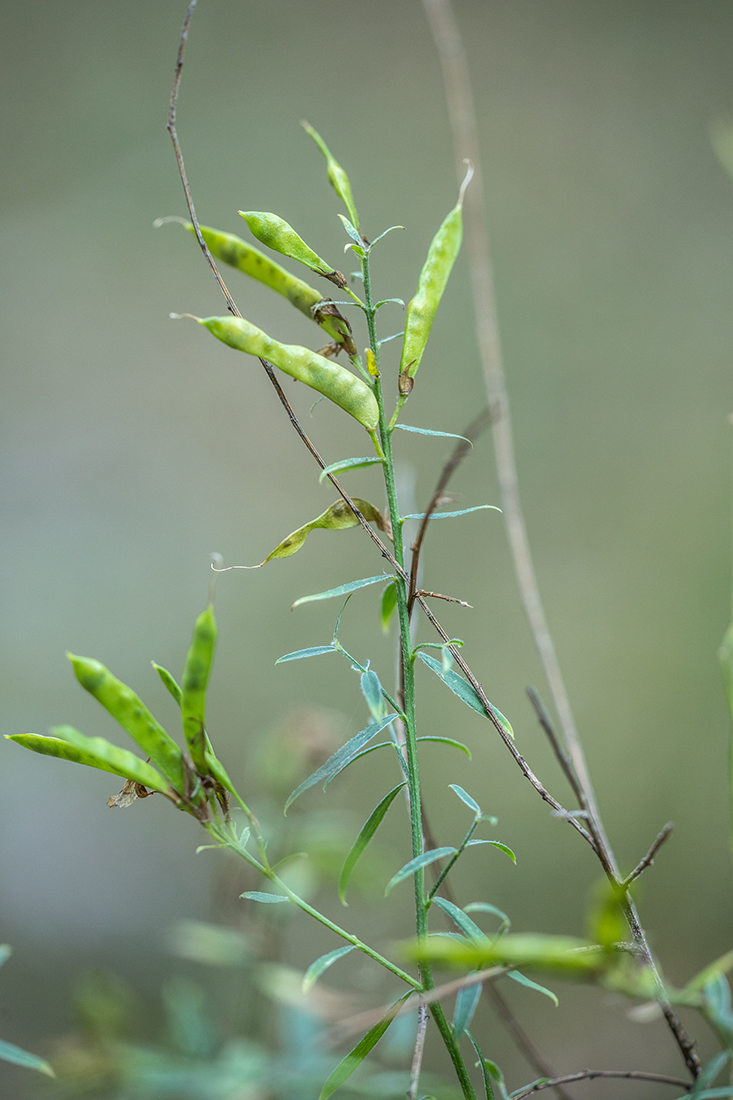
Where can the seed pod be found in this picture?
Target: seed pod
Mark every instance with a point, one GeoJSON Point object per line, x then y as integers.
{"type": "Point", "coordinates": [277, 234]}
{"type": "Point", "coordinates": [232, 250]}
{"type": "Point", "coordinates": [338, 517]}
{"type": "Point", "coordinates": [431, 284]}
{"type": "Point", "coordinates": [193, 688]}
{"type": "Point", "coordinates": [335, 382]}
{"type": "Point", "coordinates": [336, 176]}
{"type": "Point", "coordinates": [134, 717]}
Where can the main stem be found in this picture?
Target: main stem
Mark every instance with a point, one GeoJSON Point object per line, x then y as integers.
{"type": "Point", "coordinates": [408, 679]}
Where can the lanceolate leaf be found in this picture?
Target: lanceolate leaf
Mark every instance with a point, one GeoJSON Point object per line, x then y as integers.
{"type": "Point", "coordinates": [299, 654]}
{"type": "Point", "coordinates": [350, 464]}
{"type": "Point", "coordinates": [95, 752]}
{"type": "Point", "coordinates": [517, 977]}
{"type": "Point", "coordinates": [11, 1053]}
{"type": "Point", "coordinates": [462, 689]}
{"type": "Point", "coordinates": [5, 952]}
{"type": "Point", "coordinates": [317, 968]}
{"type": "Point", "coordinates": [464, 922]}
{"type": "Point", "coordinates": [503, 848]}
{"type": "Point", "coordinates": [354, 1059]}
{"type": "Point", "coordinates": [465, 797]}
{"type": "Point", "coordinates": [268, 899]}
{"type": "Point", "coordinates": [485, 907]}
{"type": "Point", "coordinates": [466, 1002]}
{"type": "Point", "coordinates": [372, 692]}
{"type": "Point", "coordinates": [488, 1087]}
{"type": "Point", "coordinates": [416, 863]}
{"type": "Point", "coordinates": [449, 741]}
{"type": "Point", "coordinates": [389, 605]}
{"type": "Point", "coordinates": [367, 832]}
{"type": "Point", "coordinates": [169, 681]}
{"type": "Point", "coordinates": [340, 758]}
{"type": "Point", "coordinates": [343, 589]}
{"type": "Point", "coordinates": [426, 431]}
{"type": "Point", "coordinates": [452, 515]}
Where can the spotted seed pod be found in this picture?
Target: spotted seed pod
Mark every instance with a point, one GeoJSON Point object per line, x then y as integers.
{"type": "Point", "coordinates": [277, 234]}
{"type": "Point", "coordinates": [333, 381]}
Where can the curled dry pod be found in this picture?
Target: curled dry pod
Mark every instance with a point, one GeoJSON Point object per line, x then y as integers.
{"type": "Point", "coordinates": [335, 382]}
{"type": "Point", "coordinates": [277, 234]}
{"type": "Point", "coordinates": [232, 250]}
{"type": "Point", "coordinates": [433, 278]}
{"type": "Point", "coordinates": [193, 688]}
{"type": "Point", "coordinates": [338, 517]}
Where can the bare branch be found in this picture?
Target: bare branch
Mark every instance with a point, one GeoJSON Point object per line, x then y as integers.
{"type": "Point", "coordinates": [422, 1026]}
{"type": "Point", "coordinates": [563, 759]}
{"type": "Point", "coordinates": [440, 596]}
{"type": "Point", "coordinates": [649, 857]}
{"type": "Point", "coordinates": [591, 1074]}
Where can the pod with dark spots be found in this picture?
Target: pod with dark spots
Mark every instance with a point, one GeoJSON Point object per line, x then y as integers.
{"type": "Point", "coordinates": [193, 688]}
{"type": "Point", "coordinates": [336, 175]}
{"type": "Point", "coordinates": [134, 717]}
{"type": "Point", "coordinates": [232, 250]}
{"type": "Point", "coordinates": [431, 284]}
{"type": "Point", "coordinates": [339, 517]}
{"type": "Point", "coordinates": [335, 382]}
{"type": "Point", "coordinates": [279, 235]}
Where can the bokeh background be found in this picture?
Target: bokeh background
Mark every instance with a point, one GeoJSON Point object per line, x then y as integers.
{"type": "Point", "coordinates": [133, 446]}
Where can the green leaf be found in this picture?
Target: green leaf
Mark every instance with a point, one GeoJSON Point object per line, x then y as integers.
{"type": "Point", "coordinates": [350, 464]}
{"type": "Point", "coordinates": [367, 832]}
{"type": "Point", "coordinates": [416, 863]}
{"type": "Point", "coordinates": [449, 741]}
{"type": "Point", "coordinates": [340, 758]}
{"type": "Point", "coordinates": [488, 1087]}
{"type": "Point", "coordinates": [388, 606]}
{"type": "Point", "coordinates": [464, 797]}
{"type": "Point", "coordinates": [708, 1075]}
{"type": "Point", "coordinates": [462, 921]}
{"type": "Point", "coordinates": [426, 431]}
{"type": "Point", "coordinates": [466, 1004]}
{"type": "Point", "coordinates": [503, 848]}
{"type": "Point", "coordinates": [343, 589]}
{"type": "Point", "coordinates": [522, 980]}
{"type": "Point", "coordinates": [10, 1053]}
{"type": "Point", "coordinates": [463, 689]}
{"type": "Point", "coordinates": [94, 752]}
{"type": "Point", "coordinates": [169, 681]}
{"type": "Point", "coordinates": [387, 339]}
{"type": "Point", "coordinates": [267, 899]}
{"type": "Point", "coordinates": [388, 301]}
{"type": "Point", "coordinates": [451, 515]}
{"type": "Point", "coordinates": [485, 907]}
{"type": "Point", "coordinates": [372, 691]}
{"type": "Point", "coordinates": [354, 1059]}
{"type": "Point", "coordinates": [317, 968]}
{"type": "Point", "coordinates": [352, 231]}
{"type": "Point", "coordinates": [564, 953]}
{"type": "Point", "coordinates": [5, 952]}
{"type": "Point", "coordinates": [299, 654]}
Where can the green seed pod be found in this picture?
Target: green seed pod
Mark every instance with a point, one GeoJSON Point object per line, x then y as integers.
{"type": "Point", "coordinates": [336, 175]}
{"type": "Point", "coordinates": [193, 688]}
{"type": "Point", "coordinates": [338, 517]}
{"type": "Point", "coordinates": [335, 382]}
{"type": "Point", "coordinates": [134, 717]}
{"type": "Point", "coordinates": [433, 278]}
{"type": "Point", "coordinates": [278, 235]}
{"type": "Point", "coordinates": [232, 250]}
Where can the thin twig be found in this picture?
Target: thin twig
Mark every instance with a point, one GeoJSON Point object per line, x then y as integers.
{"type": "Point", "coordinates": [461, 450]}
{"type": "Point", "coordinates": [591, 1074]}
{"type": "Point", "coordinates": [462, 114]}
{"type": "Point", "coordinates": [440, 596]}
{"type": "Point", "coordinates": [563, 759]}
{"type": "Point", "coordinates": [422, 1026]}
{"type": "Point", "coordinates": [649, 857]}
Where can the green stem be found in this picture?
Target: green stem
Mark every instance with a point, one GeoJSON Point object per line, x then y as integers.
{"type": "Point", "coordinates": [408, 675]}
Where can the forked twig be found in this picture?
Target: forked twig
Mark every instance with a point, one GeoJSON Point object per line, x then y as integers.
{"type": "Point", "coordinates": [592, 1074]}
{"type": "Point", "coordinates": [649, 857]}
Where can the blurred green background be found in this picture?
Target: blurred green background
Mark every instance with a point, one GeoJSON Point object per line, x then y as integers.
{"type": "Point", "coordinates": [132, 447]}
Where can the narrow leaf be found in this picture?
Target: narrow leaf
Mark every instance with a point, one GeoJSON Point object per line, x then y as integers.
{"type": "Point", "coordinates": [372, 692]}
{"type": "Point", "coordinates": [427, 431]}
{"type": "Point", "coordinates": [416, 863]}
{"type": "Point", "coordinates": [451, 515]}
{"type": "Point", "coordinates": [350, 464]}
{"type": "Point", "coordinates": [488, 1087]}
{"type": "Point", "coordinates": [169, 681]}
{"type": "Point", "coordinates": [259, 895]}
{"type": "Point", "coordinates": [462, 921]}
{"type": "Point", "coordinates": [94, 752]}
{"type": "Point", "coordinates": [5, 952]}
{"type": "Point", "coordinates": [340, 758]}
{"type": "Point", "coordinates": [449, 741]}
{"type": "Point", "coordinates": [464, 797]}
{"type": "Point", "coordinates": [367, 832]}
{"type": "Point", "coordinates": [515, 949]}
{"type": "Point", "coordinates": [503, 848]}
{"type": "Point", "coordinates": [299, 654]}
{"type": "Point", "coordinates": [466, 1004]}
{"type": "Point", "coordinates": [388, 606]}
{"type": "Point", "coordinates": [317, 968]}
{"type": "Point", "coordinates": [9, 1052]}
{"type": "Point", "coordinates": [462, 689]}
{"type": "Point", "coordinates": [485, 907]}
{"type": "Point", "coordinates": [516, 976]}
{"type": "Point", "coordinates": [343, 589]}
{"type": "Point", "coordinates": [354, 1059]}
